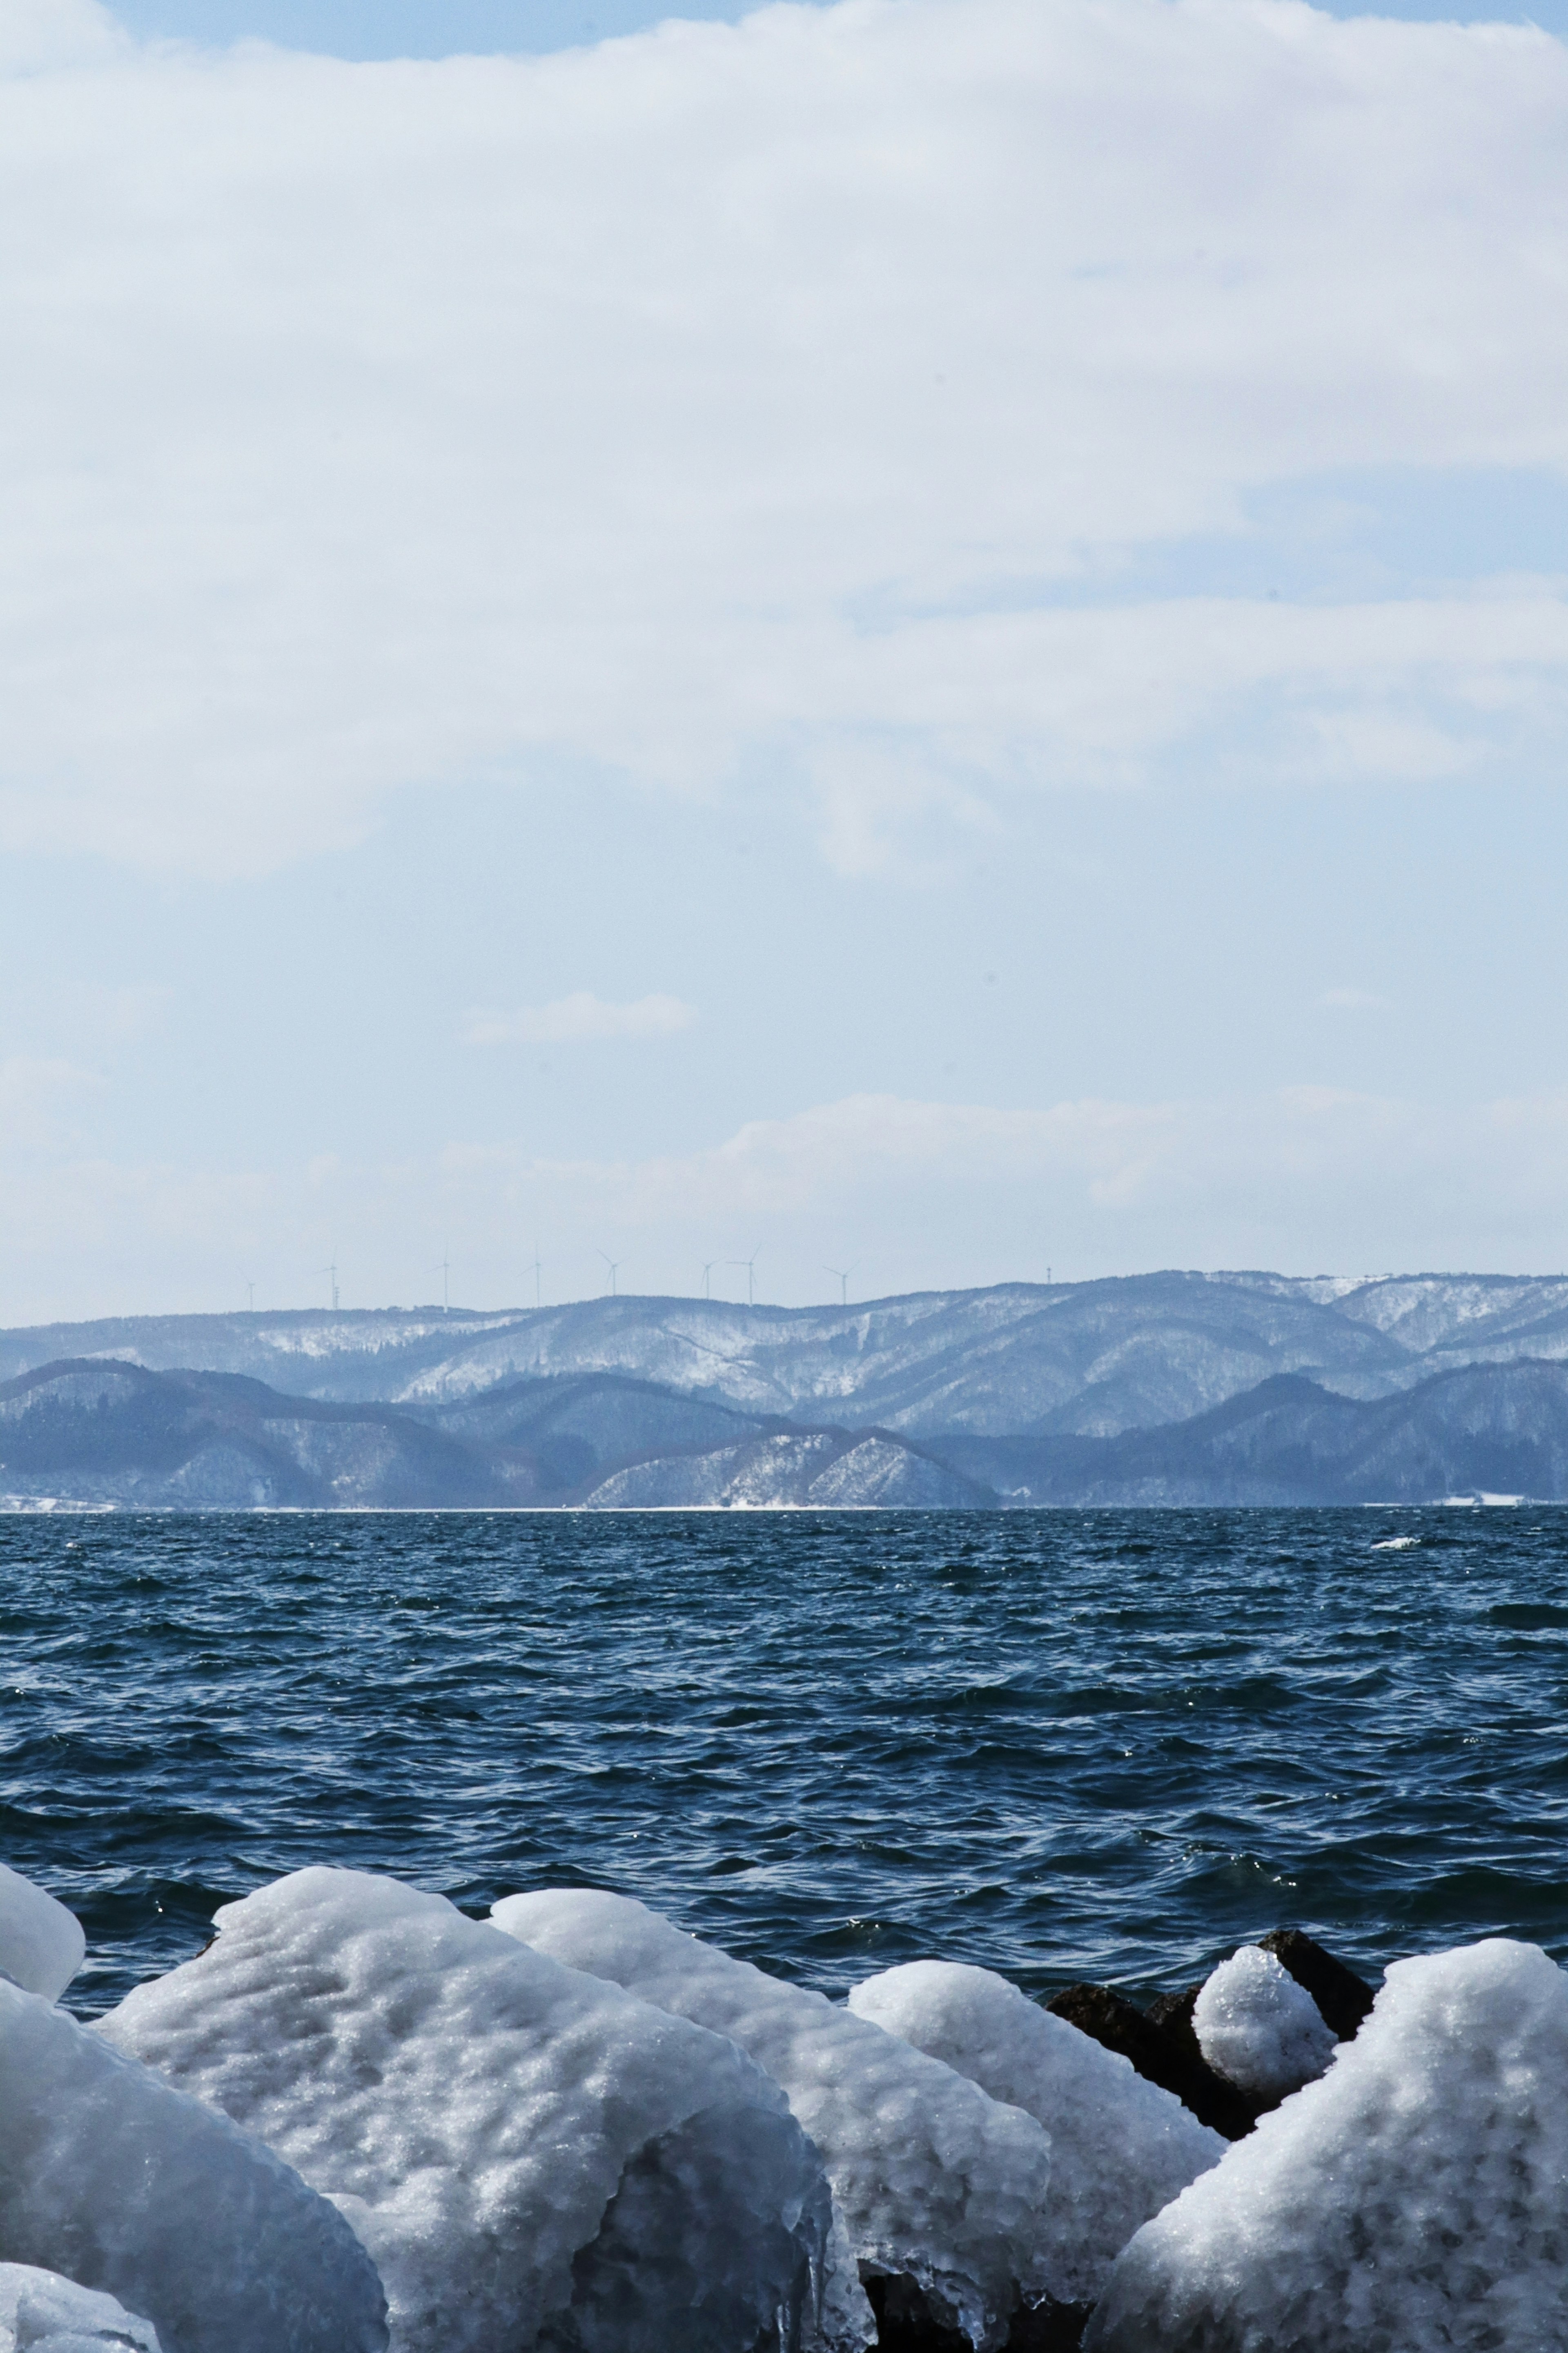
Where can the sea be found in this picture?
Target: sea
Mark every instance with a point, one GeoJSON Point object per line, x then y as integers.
{"type": "Point", "coordinates": [1063, 1744]}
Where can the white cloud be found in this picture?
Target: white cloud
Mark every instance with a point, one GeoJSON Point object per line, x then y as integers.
{"type": "Point", "coordinates": [720, 404]}
{"type": "Point", "coordinates": [576, 1019]}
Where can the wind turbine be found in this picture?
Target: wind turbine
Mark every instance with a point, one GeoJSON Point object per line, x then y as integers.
{"type": "Point", "coordinates": [332, 1270]}
{"type": "Point", "coordinates": [707, 1266]}
{"type": "Point", "coordinates": [844, 1274]}
{"type": "Point", "coordinates": [250, 1293]}
{"type": "Point", "coordinates": [538, 1271]}
{"type": "Point", "coordinates": [751, 1266]}
{"type": "Point", "coordinates": [446, 1265]}
{"type": "Point", "coordinates": [614, 1266]}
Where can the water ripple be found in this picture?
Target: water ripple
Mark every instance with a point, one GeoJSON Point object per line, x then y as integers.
{"type": "Point", "coordinates": [1106, 1744]}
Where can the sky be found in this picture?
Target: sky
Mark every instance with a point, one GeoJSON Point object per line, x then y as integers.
{"type": "Point", "coordinates": [927, 638]}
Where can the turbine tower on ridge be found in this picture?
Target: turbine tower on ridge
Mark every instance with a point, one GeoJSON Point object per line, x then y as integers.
{"type": "Point", "coordinates": [751, 1266]}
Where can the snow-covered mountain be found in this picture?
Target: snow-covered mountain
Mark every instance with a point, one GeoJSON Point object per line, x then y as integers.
{"type": "Point", "coordinates": [1022, 1359]}
{"type": "Point", "coordinates": [97, 1432]}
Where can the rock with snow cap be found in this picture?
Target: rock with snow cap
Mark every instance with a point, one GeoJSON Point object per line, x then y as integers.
{"type": "Point", "coordinates": [934, 2182]}
{"type": "Point", "coordinates": [534, 2157]}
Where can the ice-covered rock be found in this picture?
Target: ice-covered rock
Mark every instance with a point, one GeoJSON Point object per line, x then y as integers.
{"type": "Point", "coordinates": [932, 2179]}
{"type": "Point", "coordinates": [1120, 2147]}
{"type": "Point", "coordinates": [110, 2176]}
{"type": "Point", "coordinates": [1258, 2028]}
{"type": "Point", "coordinates": [534, 2157]}
{"type": "Point", "coordinates": [41, 2313]}
{"type": "Point", "coordinates": [1414, 2198]}
{"type": "Point", "coordinates": [41, 1943]}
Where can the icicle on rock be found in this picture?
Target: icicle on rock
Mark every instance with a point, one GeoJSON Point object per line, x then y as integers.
{"type": "Point", "coordinates": [1411, 2198]}
{"type": "Point", "coordinates": [1120, 2147]}
{"type": "Point", "coordinates": [41, 2313]}
{"type": "Point", "coordinates": [1258, 2028]}
{"type": "Point", "coordinates": [111, 2178]}
{"type": "Point", "coordinates": [41, 1943]}
{"type": "Point", "coordinates": [535, 2158]}
{"type": "Point", "coordinates": [933, 2181]}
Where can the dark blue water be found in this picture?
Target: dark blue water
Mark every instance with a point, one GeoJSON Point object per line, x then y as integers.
{"type": "Point", "coordinates": [1104, 1745]}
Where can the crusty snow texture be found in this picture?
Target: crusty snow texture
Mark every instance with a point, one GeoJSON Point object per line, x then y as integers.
{"type": "Point", "coordinates": [1120, 2147]}
{"type": "Point", "coordinates": [41, 1943]}
{"type": "Point", "coordinates": [932, 2179]}
{"type": "Point", "coordinates": [113, 2179]}
{"type": "Point", "coordinates": [41, 2313]}
{"type": "Point", "coordinates": [1414, 2198]}
{"type": "Point", "coordinates": [1258, 2028]}
{"type": "Point", "coordinates": [532, 2157]}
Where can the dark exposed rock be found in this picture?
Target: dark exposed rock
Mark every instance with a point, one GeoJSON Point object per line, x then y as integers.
{"type": "Point", "coordinates": [1175, 2064]}
{"type": "Point", "coordinates": [1048, 2328]}
{"type": "Point", "coordinates": [906, 2323]}
{"type": "Point", "coordinates": [1233, 2111]}
{"type": "Point", "coordinates": [1343, 1999]}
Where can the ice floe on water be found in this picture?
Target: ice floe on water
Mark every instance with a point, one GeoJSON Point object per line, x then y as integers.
{"type": "Point", "coordinates": [532, 2157]}
{"type": "Point", "coordinates": [41, 2313]}
{"type": "Point", "coordinates": [1258, 2028]}
{"type": "Point", "coordinates": [116, 2180]}
{"type": "Point", "coordinates": [1120, 2147]}
{"type": "Point", "coordinates": [362, 2122]}
{"type": "Point", "coordinates": [933, 2181]}
{"type": "Point", "coordinates": [1414, 2198]}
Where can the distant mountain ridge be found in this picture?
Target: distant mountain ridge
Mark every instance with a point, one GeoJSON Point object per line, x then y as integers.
{"type": "Point", "coordinates": [1020, 1360]}
{"type": "Point", "coordinates": [1484, 1431]}
{"type": "Point", "coordinates": [99, 1433]}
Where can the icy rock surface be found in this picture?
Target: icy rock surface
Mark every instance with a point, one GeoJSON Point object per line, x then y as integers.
{"type": "Point", "coordinates": [932, 2179]}
{"type": "Point", "coordinates": [113, 2179]}
{"type": "Point", "coordinates": [532, 2157]}
{"type": "Point", "coordinates": [41, 1943]}
{"type": "Point", "coordinates": [41, 2313]}
{"type": "Point", "coordinates": [1258, 2028]}
{"type": "Point", "coordinates": [1414, 2198]}
{"type": "Point", "coordinates": [1120, 2147]}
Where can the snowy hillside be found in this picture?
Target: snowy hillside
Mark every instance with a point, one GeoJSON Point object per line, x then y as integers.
{"type": "Point", "coordinates": [1023, 1359]}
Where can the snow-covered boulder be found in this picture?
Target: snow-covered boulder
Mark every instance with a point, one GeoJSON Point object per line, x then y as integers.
{"type": "Point", "coordinates": [41, 1943]}
{"type": "Point", "coordinates": [1258, 2028]}
{"type": "Point", "coordinates": [533, 2157]}
{"type": "Point", "coordinates": [113, 2179]}
{"type": "Point", "coordinates": [1414, 2198]}
{"type": "Point", "coordinates": [41, 2313]}
{"type": "Point", "coordinates": [932, 2179]}
{"type": "Point", "coordinates": [1120, 2147]}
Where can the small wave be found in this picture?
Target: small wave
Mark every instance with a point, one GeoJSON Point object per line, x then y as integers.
{"type": "Point", "coordinates": [1396, 1544]}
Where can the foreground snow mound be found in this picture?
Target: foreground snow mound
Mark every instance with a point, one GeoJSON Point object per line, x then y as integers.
{"type": "Point", "coordinates": [1414, 2198]}
{"type": "Point", "coordinates": [1258, 2028]}
{"type": "Point", "coordinates": [41, 1943]}
{"type": "Point", "coordinates": [1120, 2147]}
{"type": "Point", "coordinates": [533, 2157]}
{"type": "Point", "coordinates": [932, 2179]}
{"type": "Point", "coordinates": [115, 2180]}
{"type": "Point", "coordinates": [41, 2313]}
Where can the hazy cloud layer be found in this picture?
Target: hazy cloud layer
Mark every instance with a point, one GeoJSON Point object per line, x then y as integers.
{"type": "Point", "coordinates": [1310, 1180]}
{"type": "Point", "coordinates": [778, 406]}
{"type": "Point", "coordinates": [579, 1019]}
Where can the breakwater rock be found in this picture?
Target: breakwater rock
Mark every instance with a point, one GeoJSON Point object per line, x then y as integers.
{"type": "Point", "coordinates": [363, 2121]}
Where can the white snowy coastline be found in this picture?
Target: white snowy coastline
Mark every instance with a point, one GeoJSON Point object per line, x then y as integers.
{"type": "Point", "coordinates": [364, 2123]}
